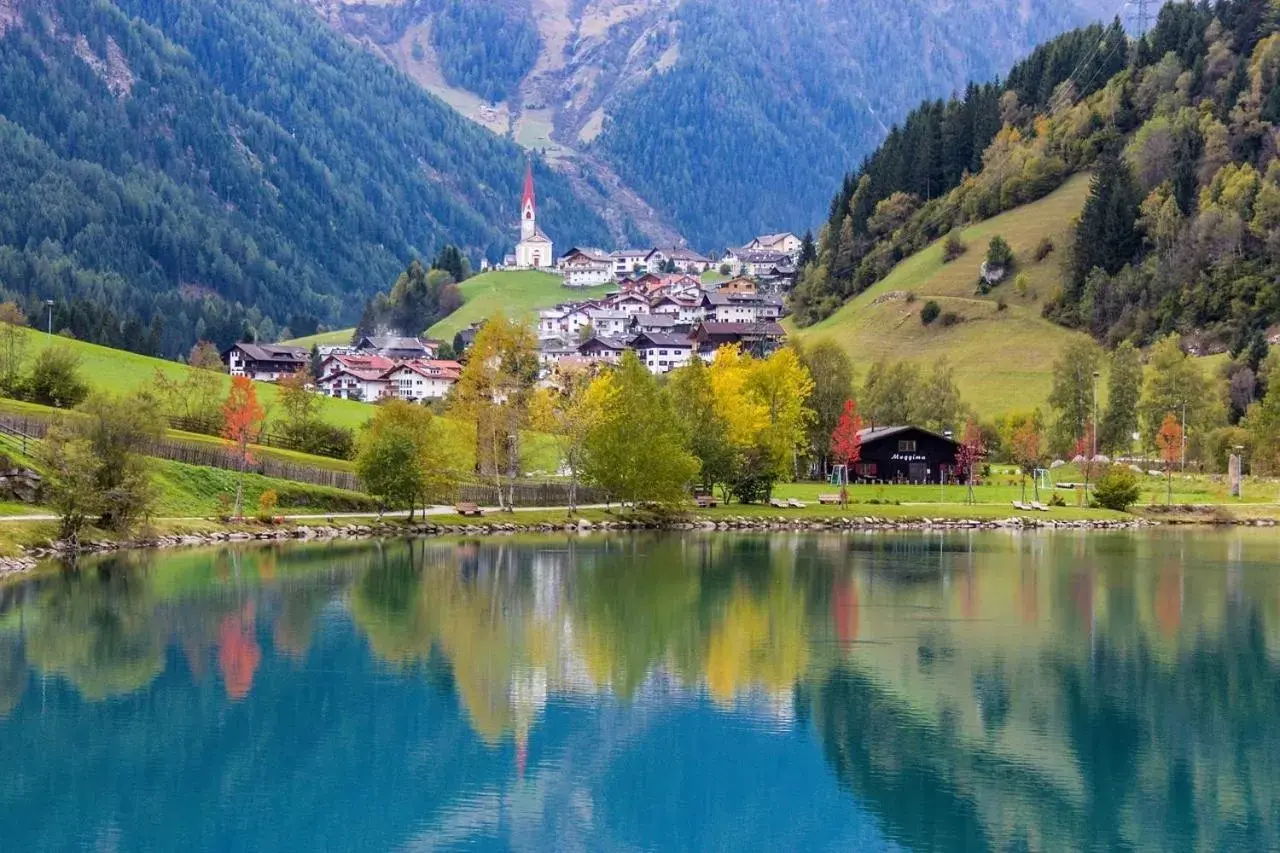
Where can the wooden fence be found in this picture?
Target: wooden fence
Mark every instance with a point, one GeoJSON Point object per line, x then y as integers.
{"type": "Point", "coordinates": [524, 493]}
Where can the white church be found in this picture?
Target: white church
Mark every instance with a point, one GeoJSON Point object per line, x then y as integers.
{"type": "Point", "coordinates": [534, 251]}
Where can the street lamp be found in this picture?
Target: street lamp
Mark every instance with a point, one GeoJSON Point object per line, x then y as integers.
{"type": "Point", "coordinates": [1094, 451]}
{"type": "Point", "coordinates": [1239, 449]}
{"type": "Point", "coordinates": [48, 303]}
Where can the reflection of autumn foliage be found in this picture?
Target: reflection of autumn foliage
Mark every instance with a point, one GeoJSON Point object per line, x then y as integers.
{"type": "Point", "coordinates": [1168, 602]}
{"type": "Point", "coordinates": [1028, 596]}
{"type": "Point", "coordinates": [844, 610]}
{"type": "Point", "coordinates": [757, 642]}
{"type": "Point", "coordinates": [238, 652]}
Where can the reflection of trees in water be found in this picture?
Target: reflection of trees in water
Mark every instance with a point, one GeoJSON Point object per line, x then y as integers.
{"type": "Point", "coordinates": [99, 631]}
{"type": "Point", "coordinates": [1177, 756]}
{"type": "Point", "coordinates": [13, 672]}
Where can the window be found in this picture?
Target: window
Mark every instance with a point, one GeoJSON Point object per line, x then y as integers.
{"type": "Point", "coordinates": [906, 446]}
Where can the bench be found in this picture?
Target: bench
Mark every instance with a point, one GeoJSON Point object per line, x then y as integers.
{"type": "Point", "coordinates": [796, 504]}
{"type": "Point", "coordinates": [778, 503]}
{"type": "Point", "coordinates": [1020, 506]}
{"type": "Point", "coordinates": [705, 501]}
{"type": "Point", "coordinates": [828, 499]}
{"type": "Point", "coordinates": [468, 509]}
{"type": "Point", "coordinates": [1039, 507]}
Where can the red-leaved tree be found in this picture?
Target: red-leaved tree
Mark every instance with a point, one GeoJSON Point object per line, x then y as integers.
{"type": "Point", "coordinates": [1169, 441]}
{"type": "Point", "coordinates": [969, 454]}
{"type": "Point", "coordinates": [846, 444]}
{"type": "Point", "coordinates": [242, 417]}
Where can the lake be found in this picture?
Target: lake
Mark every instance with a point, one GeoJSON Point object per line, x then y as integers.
{"type": "Point", "coordinates": [968, 691]}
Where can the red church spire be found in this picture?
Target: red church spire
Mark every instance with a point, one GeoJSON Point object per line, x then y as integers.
{"type": "Point", "coordinates": [528, 187]}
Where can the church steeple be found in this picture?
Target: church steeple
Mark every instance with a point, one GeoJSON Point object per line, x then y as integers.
{"type": "Point", "coordinates": [528, 211]}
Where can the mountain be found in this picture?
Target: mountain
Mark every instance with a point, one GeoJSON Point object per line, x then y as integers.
{"type": "Point", "coordinates": [173, 171]}
{"type": "Point", "coordinates": [716, 119]}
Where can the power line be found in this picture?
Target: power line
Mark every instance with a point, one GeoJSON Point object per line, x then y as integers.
{"type": "Point", "coordinates": [1142, 16]}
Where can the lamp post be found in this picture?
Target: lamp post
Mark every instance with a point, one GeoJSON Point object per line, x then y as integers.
{"type": "Point", "coordinates": [48, 304]}
{"type": "Point", "coordinates": [1094, 449]}
{"type": "Point", "coordinates": [1239, 449]}
{"type": "Point", "coordinates": [1182, 465]}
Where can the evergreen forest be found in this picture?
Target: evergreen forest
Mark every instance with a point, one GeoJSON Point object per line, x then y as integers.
{"type": "Point", "coordinates": [172, 172]}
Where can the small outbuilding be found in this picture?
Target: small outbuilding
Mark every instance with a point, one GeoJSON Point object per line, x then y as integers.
{"type": "Point", "coordinates": [906, 454]}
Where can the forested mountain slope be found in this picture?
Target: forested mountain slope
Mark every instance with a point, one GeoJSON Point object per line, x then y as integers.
{"type": "Point", "coordinates": [723, 118]}
{"type": "Point", "coordinates": [1180, 232]}
{"type": "Point", "coordinates": [174, 171]}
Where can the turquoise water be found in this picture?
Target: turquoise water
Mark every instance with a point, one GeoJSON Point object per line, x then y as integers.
{"type": "Point", "coordinates": [959, 692]}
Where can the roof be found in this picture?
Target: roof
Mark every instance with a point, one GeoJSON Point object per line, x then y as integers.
{"type": "Point", "coordinates": [431, 368]}
{"type": "Point", "coordinates": [556, 345]}
{"type": "Point", "coordinates": [384, 342]}
{"type": "Point", "coordinates": [539, 236]}
{"type": "Point", "coordinates": [769, 329]}
{"type": "Point", "coordinates": [271, 352]}
{"type": "Point", "coordinates": [870, 434]}
{"type": "Point", "coordinates": [662, 339]}
{"type": "Point", "coordinates": [774, 239]}
{"type": "Point", "coordinates": [527, 198]}
{"type": "Point", "coordinates": [762, 256]}
{"type": "Point", "coordinates": [679, 253]}
{"type": "Point", "coordinates": [653, 321]}
{"type": "Point", "coordinates": [379, 363]}
{"type": "Point", "coordinates": [604, 342]}
{"type": "Point", "coordinates": [362, 373]}
{"type": "Point", "coordinates": [629, 253]}
{"type": "Point", "coordinates": [596, 255]}
{"type": "Point", "coordinates": [602, 314]}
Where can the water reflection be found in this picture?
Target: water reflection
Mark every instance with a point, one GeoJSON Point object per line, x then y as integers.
{"type": "Point", "coordinates": [966, 692]}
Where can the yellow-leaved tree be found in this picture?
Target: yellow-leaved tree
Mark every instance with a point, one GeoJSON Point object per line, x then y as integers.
{"type": "Point", "coordinates": [568, 411]}
{"type": "Point", "coordinates": [494, 394]}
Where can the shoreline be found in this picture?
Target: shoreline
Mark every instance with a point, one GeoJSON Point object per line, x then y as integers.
{"type": "Point", "coordinates": [499, 525]}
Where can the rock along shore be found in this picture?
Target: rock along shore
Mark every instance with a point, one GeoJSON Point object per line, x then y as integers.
{"type": "Point", "coordinates": [368, 530]}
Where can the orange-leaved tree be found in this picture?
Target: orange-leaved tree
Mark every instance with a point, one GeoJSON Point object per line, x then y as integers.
{"type": "Point", "coordinates": [242, 418]}
{"type": "Point", "coordinates": [1169, 441]}
{"type": "Point", "coordinates": [1028, 450]}
{"type": "Point", "coordinates": [846, 444]}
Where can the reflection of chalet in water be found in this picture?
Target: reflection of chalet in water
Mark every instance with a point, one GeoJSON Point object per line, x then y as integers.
{"type": "Point", "coordinates": [906, 454]}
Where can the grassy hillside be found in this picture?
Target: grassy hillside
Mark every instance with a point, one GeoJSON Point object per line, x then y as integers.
{"type": "Point", "coordinates": [516, 293]}
{"type": "Point", "coordinates": [117, 371]}
{"type": "Point", "coordinates": [1002, 358]}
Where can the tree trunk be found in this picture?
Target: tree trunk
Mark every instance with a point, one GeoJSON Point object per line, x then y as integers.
{"type": "Point", "coordinates": [244, 462]}
{"type": "Point", "coordinates": [573, 490]}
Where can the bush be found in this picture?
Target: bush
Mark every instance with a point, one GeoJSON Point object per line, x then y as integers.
{"type": "Point", "coordinates": [1001, 304]}
{"type": "Point", "coordinates": [1021, 285]}
{"type": "Point", "coordinates": [953, 247]}
{"type": "Point", "coordinates": [55, 379]}
{"type": "Point", "coordinates": [1117, 489]}
{"type": "Point", "coordinates": [930, 312]}
{"type": "Point", "coordinates": [1043, 249]}
{"type": "Point", "coordinates": [950, 318]}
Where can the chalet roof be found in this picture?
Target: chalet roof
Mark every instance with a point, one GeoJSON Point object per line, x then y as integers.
{"type": "Point", "coordinates": [596, 255]}
{"type": "Point", "coordinates": [774, 239]}
{"type": "Point", "coordinates": [365, 374]}
{"type": "Point", "coordinates": [272, 352]}
{"type": "Point", "coordinates": [766, 329]}
{"type": "Point", "coordinates": [430, 368]}
{"type": "Point", "coordinates": [661, 339]}
{"type": "Point", "coordinates": [556, 345]}
{"type": "Point", "coordinates": [762, 256]}
{"type": "Point", "coordinates": [870, 434]}
{"type": "Point", "coordinates": [391, 342]}
{"type": "Point", "coordinates": [629, 253]}
{"type": "Point", "coordinates": [654, 321]}
{"type": "Point", "coordinates": [357, 361]}
{"type": "Point", "coordinates": [679, 253]}
{"type": "Point", "coordinates": [604, 314]}
{"type": "Point", "coordinates": [603, 342]}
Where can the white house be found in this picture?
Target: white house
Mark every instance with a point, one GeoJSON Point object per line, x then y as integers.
{"type": "Point", "coordinates": [602, 349]}
{"type": "Point", "coordinates": [684, 259]}
{"type": "Point", "coordinates": [534, 251]}
{"type": "Point", "coordinates": [686, 311]}
{"type": "Point", "coordinates": [758, 262]}
{"type": "Point", "coordinates": [265, 362]}
{"type": "Point", "coordinates": [586, 267]}
{"type": "Point", "coordinates": [611, 324]}
{"type": "Point", "coordinates": [422, 380]}
{"type": "Point", "coordinates": [628, 261]}
{"type": "Point", "coordinates": [787, 243]}
{"type": "Point", "coordinates": [366, 385]}
{"type": "Point", "coordinates": [630, 302]}
{"type": "Point", "coordinates": [662, 352]}
{"type": "Point", "coordinates": [551, 351]}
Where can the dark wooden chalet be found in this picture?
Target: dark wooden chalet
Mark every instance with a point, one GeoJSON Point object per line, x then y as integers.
{"type": "Point", "coordinates": [906, 454]}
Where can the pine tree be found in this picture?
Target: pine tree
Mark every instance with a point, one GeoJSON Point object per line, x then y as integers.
{"type": "Point", "coordinates": [1105, 236]}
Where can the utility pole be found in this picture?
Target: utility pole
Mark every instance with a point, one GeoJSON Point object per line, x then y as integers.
{"type": "Point", "coordinates": [1142, 16]}
{"type": "Point", "coordinates": [48, 303]}
{"type": "Point", "coordinates": [1094, 450]}
{"type": "Point", "coordinates": [1183, 463]}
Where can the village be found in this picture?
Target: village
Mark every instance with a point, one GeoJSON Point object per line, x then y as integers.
{"type": "Point", "coordinates": [670, 305]}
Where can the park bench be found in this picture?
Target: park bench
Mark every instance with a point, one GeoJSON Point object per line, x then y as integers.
{"type": "Point", "coordinates": [828, 499]}
{"type": "Point", "coordinates": [796, 504]}
{"type": "Point", "coordinates": [1039, 507]}
{"type": "Point", "coordinates": [468, 509]}
{"type": "Point", "coordinates": [777, 503]}
{"type": "Point", "coordinates": [705, 501]}
{"type": "Point", "coordinates": [1019, 505]}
